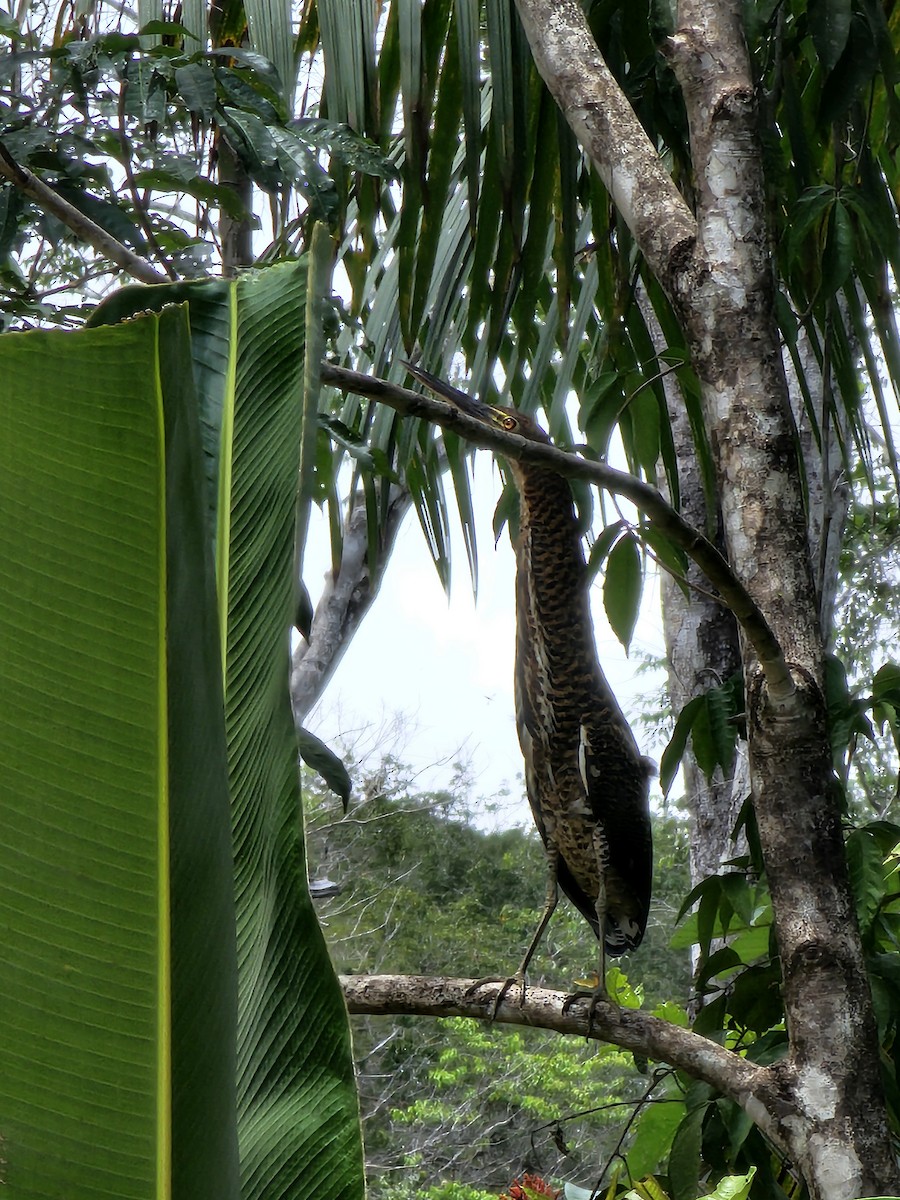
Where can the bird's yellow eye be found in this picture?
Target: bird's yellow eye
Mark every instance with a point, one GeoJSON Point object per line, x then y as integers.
{"type": "Point", "coordinates": [509, 423]}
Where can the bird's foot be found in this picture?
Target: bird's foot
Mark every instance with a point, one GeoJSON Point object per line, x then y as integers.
{"type": "Point", "coordinates": [599, 998]}
{"type": "Point", "coordinates": [505, 985]}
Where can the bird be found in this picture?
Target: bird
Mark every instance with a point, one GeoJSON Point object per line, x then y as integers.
{"type": "Point", "coordinates": [586, 779]}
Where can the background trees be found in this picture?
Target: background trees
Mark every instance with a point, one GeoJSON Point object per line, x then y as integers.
{"type": "Point", "coordinates": [745, 219]}
{"type": "Point", "coordinates": [457, 1109]}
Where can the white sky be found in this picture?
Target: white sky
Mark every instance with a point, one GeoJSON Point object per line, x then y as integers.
{"type": "Point", "coordinates": [431, 680]}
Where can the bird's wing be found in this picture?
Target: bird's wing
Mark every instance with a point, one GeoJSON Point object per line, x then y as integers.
{"type": "Point", "coordinates": [615, 779]}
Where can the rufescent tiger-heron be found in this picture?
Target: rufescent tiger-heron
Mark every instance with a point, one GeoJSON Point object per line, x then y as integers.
{"type": "Point", "coordinates": [586, 780]}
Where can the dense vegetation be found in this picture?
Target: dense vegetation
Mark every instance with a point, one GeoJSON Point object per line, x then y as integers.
{"type": "Point", "coordinates": [438, 186]}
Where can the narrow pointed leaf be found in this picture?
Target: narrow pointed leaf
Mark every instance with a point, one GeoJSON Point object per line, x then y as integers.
{"type": "Point", "coordinates": [272, 35]}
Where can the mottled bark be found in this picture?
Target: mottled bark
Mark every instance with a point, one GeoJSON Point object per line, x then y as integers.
{"type": "Point", "coordinates": [606, 126]}
{"type": "Point", "coordinates": [837, 1131]}
{"type": "Point", "coordinates": [702, 650]}
{"type": "Point", "coordinates": [756, 1089]}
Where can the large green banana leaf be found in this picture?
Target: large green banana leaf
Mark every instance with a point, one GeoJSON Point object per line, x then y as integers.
{"type": "Point", "coordinates": [298, 1123]}
{"type": "Point", "coordinates": [118, 965]}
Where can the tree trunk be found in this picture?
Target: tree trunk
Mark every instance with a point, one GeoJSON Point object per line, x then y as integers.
{"type": "Point", "coordinates": [235, 234]}
{"type": "Point", "coordinates": [718, 274]}
{"type": "Point", "coordinates": [702, 650]}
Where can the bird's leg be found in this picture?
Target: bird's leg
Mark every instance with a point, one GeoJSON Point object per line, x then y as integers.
{"type": "Point", "coordinates": [550, 902]}
{"type": "Point", "coordinates": [599, 994]}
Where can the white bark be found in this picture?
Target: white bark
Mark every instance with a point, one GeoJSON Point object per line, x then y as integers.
{"type": "Point", "coordinates": [346, 598]}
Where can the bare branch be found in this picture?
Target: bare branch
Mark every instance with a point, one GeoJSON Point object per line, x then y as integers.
{"type": "Point", "coordinates": [86, 229]}
{"type": "Point", "coordinates": [756, 1089]}
{"type": "Point", "coordinates": [646, 498]}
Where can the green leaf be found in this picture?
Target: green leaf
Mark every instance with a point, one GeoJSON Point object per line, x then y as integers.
{"type": "Point", "coordinates": [866, 864]}
{"type": "Point", "coordinates": [239, 92]}
{"type": "Point", "coordinates": [296, 1100]}
{"type": "Point", "coordinates": [840, 250]}
{"type": "Point", "coordinates": [853, 75]}
{"type": "Point", "coordinates": [603, 543]}
{"type": "Point", "coordinates": [647, 1189]}
{"type": "Point", "coordinates": [653, 1139]}
{"type": "Point", "coordinates": [318, 286]}
{"type": "Point", "coordinates": [166, 28]}
{"type": "Point", "coordinates": [670, 556]}
{"type": "Point", "coordinates": [713, 735]}
{"type": "Point", "coordinates": [272, 34]}
{"type": "Point", "coordinates": [886, 684]}
{"type": "Point", "coordinates": [684, 1157]}
{"type": "Point", "coordinates": [622, 585]}
{"type": "Point", "coordinates": [108, 216]}
{"type": "Point", "coordinates": [344, 145]}
{"type": "Point", "coordinates": [674, 751]}
{"type": "Point", "coordinates": [741, 896]}
{"type": "Point", "coordinates": [317, 755]}
{"type": "Point", "coordinates": [348, 45]}
{"type": "Point", "coordinates": [115, 876]}
{"type": "Point", "coordinates": [829, 26]}
{"type": "Point", "coordinates": [752, 944]}
{"type": "Point", "coordinates": [467, 13]}
{"type": "Point", "coordinates": [301, 164]}
{"type": "Point", "coordinates": [297, 1105]}
{"type": "Point", "coordinates": [197, 85]}
{"type": "Point", "coordinates": [733, 1187]}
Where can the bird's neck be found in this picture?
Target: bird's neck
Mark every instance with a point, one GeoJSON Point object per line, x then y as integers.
{"type": "Point", "coordinates": [549, 538]}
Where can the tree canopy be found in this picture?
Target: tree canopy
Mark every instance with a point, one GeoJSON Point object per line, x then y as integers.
{"type": "Point", "coordinates": [671, 230]}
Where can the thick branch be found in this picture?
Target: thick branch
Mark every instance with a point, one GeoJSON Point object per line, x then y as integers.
{"type": "Point", "coordinates": [753, 1087]}
{"type": "Point", "coordinates": [83, 227]}
{"type": "Point", "coordinates": [605, 124]}
{"type": "Point", "coordinates": [642, 495]}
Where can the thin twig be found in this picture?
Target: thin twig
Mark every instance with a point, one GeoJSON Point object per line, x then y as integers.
{"type": "Point", "coordinates": [642, 495]}
{"type": "Point", "coordinates": [86, 229]}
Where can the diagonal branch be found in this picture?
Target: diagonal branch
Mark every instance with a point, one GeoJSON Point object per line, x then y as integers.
{"type": "Point", "coordinates": [605, 124]}
{"type": "Point", "coordinates": [646, 498]}
{"type": "Point", "coordinates": [755, 1088]}
{"type": "Point", "coordinates": [86, 229]}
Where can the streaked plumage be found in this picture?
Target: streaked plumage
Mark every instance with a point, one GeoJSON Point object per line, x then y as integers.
{"type": "Point", "coordinates": [586, 780]}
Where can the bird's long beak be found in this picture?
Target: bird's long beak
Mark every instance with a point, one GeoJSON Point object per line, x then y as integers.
{"type": "Point", "coordinates": [462, 401]}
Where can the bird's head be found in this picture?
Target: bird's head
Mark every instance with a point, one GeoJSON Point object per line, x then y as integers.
{"type": "Point", "coordinates": [510, 420]}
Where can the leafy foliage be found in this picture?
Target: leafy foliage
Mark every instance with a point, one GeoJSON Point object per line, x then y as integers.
{"type": "Point", "coordinates": [117, 885]}
{"type": "Point", "coordinates": [296, 1102]}
{"type": "Point", "coordinates": [455, 194]}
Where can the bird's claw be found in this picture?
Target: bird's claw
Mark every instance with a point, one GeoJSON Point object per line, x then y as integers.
{"type": "Point", "coordinates": [597, 996]}
{"type": "Point", "coordinates": [505, 985]}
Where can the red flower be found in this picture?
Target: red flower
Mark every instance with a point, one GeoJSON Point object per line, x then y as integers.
{"type": "Point", "coordinates": [530, 1187]}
